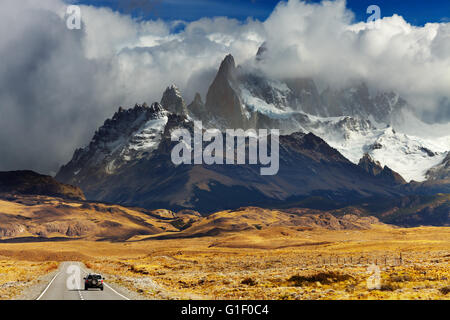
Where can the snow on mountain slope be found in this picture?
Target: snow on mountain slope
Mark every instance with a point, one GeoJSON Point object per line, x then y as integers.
{"type": "Point", "coordinates": [147, 139]}
{"type": "Point", "coordinates": [140, 144]}
{"type": "Point", "coordinates": [377, 123]}
{"type": "Point", "coordinates": [367, 125]}
{"type": "Point", "coordinates": [408, 155]}
{"type": "Point", "coordinates": [256, 104]}
{"type": "Point", "coordinates": [408, 123]}
{"type": "Point", "coordinates": [129, 136]}
{"type": "Point", "coordinates": [441, 171]}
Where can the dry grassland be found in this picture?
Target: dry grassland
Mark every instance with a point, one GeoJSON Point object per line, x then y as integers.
{"type": "Point", "coordinates": [273, 263]}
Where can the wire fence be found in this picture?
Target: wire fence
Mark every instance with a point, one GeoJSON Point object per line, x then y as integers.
{"type": "Point", "coordinates": [360, 260]}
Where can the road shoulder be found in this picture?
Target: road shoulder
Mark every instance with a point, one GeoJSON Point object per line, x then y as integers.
{"type": "Point", "coordinates": [38, 286]}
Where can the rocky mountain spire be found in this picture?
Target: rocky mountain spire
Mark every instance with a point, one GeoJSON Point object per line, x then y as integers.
{"type": "Point", "coordinates": [173, 101]}
{"type": "Point", "coordinates": [227, 67]}
{"type": "Point", "coordinates": [222, 99]}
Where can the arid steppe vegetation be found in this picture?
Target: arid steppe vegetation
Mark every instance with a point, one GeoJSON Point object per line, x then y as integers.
{"type": "Point", "coordinates": [248, 253]}
{"type": "Point", "coordinates": [314, 264]}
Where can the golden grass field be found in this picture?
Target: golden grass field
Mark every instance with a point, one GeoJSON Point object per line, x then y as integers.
{"type": "Point", "coordinates": [312, 264]}
{"type": "Point", "coordinates": [249, 253]}
{"type": "Point", "coordinates": [17, 275]}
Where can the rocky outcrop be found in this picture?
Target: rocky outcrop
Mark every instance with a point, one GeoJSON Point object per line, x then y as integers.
{"type": "Point", "coordinates": [307, 97]}
{"type": "Point", "coordinates": [370, 166]}
{"type": "Point", "coordinates": [32, 183]}
{"type": "Point", "coordinates": [441, 171]}
{"type": "Point", "coordinates": [357, 101]}
{"type": "Point", "coordinates": [385, 173]}
{"type": "Point", "coordinates": [197, 109]}
{"type": "Point", "coordinates": [173, 102]}
{"type": "Point", "coordinates": [10, 230]}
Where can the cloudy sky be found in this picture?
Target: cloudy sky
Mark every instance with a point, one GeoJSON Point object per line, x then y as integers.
{"type": "Point", "coordinates": [415, 11]}
{"type": "Point", "coordinates": [58, 85]}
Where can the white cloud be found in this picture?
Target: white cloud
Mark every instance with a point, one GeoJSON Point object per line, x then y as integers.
{"type": "Point", "coordinates": [58, 85]}
{"type": "Point", "coordinates": [321, 41]}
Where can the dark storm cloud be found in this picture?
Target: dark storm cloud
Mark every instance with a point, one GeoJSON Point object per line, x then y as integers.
{"type": "Point", "coordinates": [48, 91]}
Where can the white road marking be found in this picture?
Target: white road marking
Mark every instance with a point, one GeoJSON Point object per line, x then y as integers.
{"type": "Point", "coordinates": [105, 284]}
{"type": "Point", "coordinates": [79, 291]}
{"type": "Point", "coordinates": [116, 292]}
{"type": "Point", "coordinates": [43, 292]}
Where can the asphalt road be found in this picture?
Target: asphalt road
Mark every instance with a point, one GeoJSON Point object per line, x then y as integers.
{"type": "Point", "coordinates": [68, 284]}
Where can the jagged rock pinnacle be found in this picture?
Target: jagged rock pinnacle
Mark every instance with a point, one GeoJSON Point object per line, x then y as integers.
{"type": "Point", "coordinates": [227, 67]}
{"type": "Point", "coordinates": [173, 101]}
{"type": "Point", "coordinates": [222, 99]}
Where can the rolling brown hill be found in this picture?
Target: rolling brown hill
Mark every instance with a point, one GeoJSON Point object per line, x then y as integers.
{"type": "Point", "coordinates": [259, 219]}
{"type": "Point", "coordinates": [41, 218]}
{"type": "Point", "coordinates": [32, 183]}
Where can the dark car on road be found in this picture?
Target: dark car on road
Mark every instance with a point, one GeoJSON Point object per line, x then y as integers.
{"type": "Point", "coordinates": [93, 281]}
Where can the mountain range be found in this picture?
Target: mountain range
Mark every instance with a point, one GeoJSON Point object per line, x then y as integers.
{"type": "Point", "coordinates": [337, 147]}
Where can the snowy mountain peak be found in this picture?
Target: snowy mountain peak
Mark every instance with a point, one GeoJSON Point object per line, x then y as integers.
{"type": "Point", "coordinates": [130, 135]}
{"type": "Point", "coordinates": [354, 121]}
